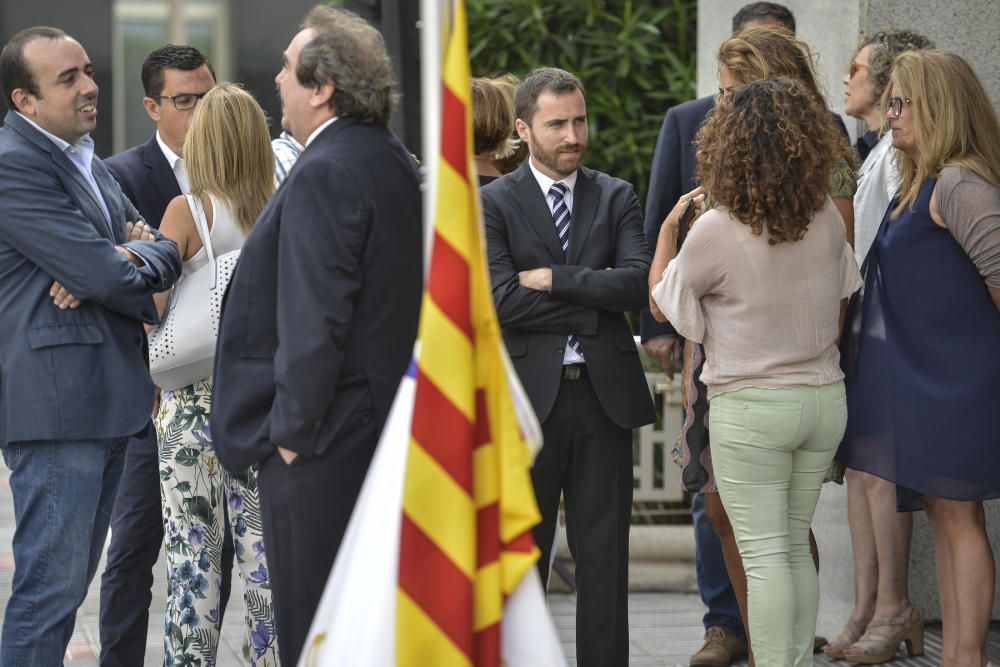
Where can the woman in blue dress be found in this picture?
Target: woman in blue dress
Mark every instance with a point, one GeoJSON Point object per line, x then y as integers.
{"type": "Point", "coordinates": [924, 395]}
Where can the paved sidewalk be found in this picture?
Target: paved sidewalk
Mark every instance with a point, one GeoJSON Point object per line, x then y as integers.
{"type": "Point", "coordinates": [665, 628]}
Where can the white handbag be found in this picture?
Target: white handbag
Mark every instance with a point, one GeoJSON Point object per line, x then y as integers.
{"type": "Point", "coordinates": [182, 347]}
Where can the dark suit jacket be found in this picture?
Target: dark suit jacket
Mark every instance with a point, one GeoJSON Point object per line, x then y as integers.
{"type": "Point", "coordinates": [674, 172]}
{"type": "Point", "coordinates": [146, 179]}
{"type": "Point", "coordinates": [321, 314]}
{"type": "Point", "coordinates": [75, 373]}
{"type": "Point", "coordinates": [603, 275]}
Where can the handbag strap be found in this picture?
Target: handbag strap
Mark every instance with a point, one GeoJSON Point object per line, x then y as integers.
{"type": "Point", "coordinates": [201, 226]}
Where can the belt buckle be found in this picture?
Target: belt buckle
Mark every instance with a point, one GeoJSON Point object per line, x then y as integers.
{"type": "Point", "coordinates": [572, 373]}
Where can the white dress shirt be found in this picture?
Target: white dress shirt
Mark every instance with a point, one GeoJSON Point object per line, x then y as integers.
{"type": "Point", "coordinates": [176, 163]}
{"type": "Point", "coordinates": [570, 356]}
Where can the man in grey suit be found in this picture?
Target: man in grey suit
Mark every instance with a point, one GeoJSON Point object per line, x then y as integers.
{"type": "Point", "coordinates": [567, 257]}
{"type": "Point", "coordinates": [79, 269]}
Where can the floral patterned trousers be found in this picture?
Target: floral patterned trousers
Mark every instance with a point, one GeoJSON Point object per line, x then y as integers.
{"type": "Point", "coordinates": [196, 492]}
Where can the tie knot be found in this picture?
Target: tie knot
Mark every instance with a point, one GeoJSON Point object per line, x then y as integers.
{"type": "Point", "coordinates": [558, 190]}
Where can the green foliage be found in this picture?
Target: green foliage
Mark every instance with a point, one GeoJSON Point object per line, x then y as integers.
{"type": "Point", "coordinates": [635, 58]}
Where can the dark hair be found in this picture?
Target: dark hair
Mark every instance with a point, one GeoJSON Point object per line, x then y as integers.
{"type": "Point", "coordinates": [767, 153]}
{"type": "Point", "coordinates": [350, 53]}
{"type": "Point", "coordinates": [886, 45]}
{"type": "Point", "coordinates": [14, 71]}
{"type": "Point", "coordinates": [550, 79]}
{"type": "Point", "coordinates": [763, 10]}
{"type": "Point", "coordinates": [492, 118]}
{"type": "Point", "coordinates": [171, 56]}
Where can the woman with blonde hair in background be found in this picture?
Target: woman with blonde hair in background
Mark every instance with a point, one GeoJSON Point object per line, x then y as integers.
{"type": "Point", "coordinates": [231, 170]}
{"type": "Point", "coordinates": [492, 125]}
{"type": "Point", "coordinates": [923, 398]}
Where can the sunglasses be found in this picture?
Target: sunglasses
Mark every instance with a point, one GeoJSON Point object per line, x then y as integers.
{"type": "Point", "coordinates": [894, 105]}
{"type": "Point", "coordinates": [854, 67]}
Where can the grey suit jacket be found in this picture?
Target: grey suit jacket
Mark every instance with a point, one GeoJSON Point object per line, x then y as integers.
{"type": "Point", "coordinates": [603, 275]}
{"type": "Point", "coordinates": [76, 373]}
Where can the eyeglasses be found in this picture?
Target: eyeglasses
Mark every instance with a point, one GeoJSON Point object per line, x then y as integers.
{"type": "Point", "coordinates": [853, 69]}
{"type": "Point", "coordinates": [182, 101]}
{"type": "Point", "coordinates": [894, 105]}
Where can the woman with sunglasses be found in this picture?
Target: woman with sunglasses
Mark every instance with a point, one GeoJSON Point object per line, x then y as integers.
{"type": "Point", "coordinates": [761, 281]}
{"type": "Point", "coordinates": [924, 401]}
{"type": "Point", "coordinates": [880, 537]}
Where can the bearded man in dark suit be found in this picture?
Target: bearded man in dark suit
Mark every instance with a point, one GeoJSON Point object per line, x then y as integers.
{"type": "Point", "coordinates": [567, 257]}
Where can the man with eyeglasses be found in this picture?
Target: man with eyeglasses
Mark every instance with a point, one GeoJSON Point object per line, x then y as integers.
{"type": "Point", "coordinates": [151, 174]}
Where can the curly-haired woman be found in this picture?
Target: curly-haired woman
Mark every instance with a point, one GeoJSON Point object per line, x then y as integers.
{"type": "Point", "coordinates": [761, 282]}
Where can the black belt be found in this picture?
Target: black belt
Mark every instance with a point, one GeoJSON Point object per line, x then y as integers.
{"type": "Point", "coordinates": [574, 372]}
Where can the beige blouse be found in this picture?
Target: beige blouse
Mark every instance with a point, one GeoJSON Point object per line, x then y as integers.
{"type": "Point", "coordinates": [768, 316]}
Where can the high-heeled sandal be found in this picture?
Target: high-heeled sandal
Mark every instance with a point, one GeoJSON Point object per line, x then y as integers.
{"type": "Point", "coordinates": [851, 633]}
{"type": "Point", "coordinates": [878, 649]}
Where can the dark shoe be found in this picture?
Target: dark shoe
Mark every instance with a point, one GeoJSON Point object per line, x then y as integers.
{"type": "Point", "coordinates": [722, 648]}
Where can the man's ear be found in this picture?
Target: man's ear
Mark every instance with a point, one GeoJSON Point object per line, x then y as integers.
{"type": "Point", "coordinates": [322, 95]}
{"type": "Point", "coordinates": [23, 101]}
{"type": "Point", "coordinates": [523, 130]}
{"type": "Point", "coordinates": [152, 108]}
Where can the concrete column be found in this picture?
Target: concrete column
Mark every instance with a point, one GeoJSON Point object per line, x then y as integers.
{"type": "Point", "coordinates": [833, 28]}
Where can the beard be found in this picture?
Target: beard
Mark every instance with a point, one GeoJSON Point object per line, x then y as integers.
{"type": "Point", "coordinates": [557, 159]}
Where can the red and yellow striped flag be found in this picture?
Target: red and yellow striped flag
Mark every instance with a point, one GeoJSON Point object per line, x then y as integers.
{"type": "Point", "coordinates": [468, 505]}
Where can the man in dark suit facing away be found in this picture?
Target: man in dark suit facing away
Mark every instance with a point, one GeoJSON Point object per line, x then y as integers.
{"type": "Point", "coordinates": [321, 314]}
{"type": "Point", "coordinates": [567, 257]}
{"type": "Point", "coordinates": [76, 290]}
{"type": "Point", "coordinates": [174, 78]}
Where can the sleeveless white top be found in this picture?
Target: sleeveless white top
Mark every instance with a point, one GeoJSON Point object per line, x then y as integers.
{"type": "Point", "coordinates": [225, 235]}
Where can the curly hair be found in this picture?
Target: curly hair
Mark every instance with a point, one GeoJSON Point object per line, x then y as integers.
{"type": "Point", "coordinates": [886, 45]}
{"type": "Point", "coordinates": [767, 153]}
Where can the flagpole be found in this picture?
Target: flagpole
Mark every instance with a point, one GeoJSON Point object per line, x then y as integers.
{"type": "Point", "coordinates": [432, 20]}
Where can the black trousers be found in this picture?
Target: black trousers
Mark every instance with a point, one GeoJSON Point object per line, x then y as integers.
{"type": "Point", "coordinates": [588, 459]}
{"type": "Point", "coordinates": [306, 506]}
{"type": "Point", "coordinates": [136, 543]}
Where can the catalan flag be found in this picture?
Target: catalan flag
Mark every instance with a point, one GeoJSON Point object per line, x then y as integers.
{"type": "Point", "coordinates": [437, 567]}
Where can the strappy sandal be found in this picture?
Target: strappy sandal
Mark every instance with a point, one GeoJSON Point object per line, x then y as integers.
{"type": "Point", "coordinates": [851, 633]}
{"type": "Point", "coordinates": [877, 649]}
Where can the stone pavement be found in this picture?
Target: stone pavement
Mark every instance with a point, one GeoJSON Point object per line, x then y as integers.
{"type": "Point", "coordinates": [665, 628]}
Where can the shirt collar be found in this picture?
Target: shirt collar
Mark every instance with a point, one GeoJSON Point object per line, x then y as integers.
{"type": "Point", "coordinates": [172, 157]}
{"type": "Point", "coordinates": [287, 137]}
{"type": "Point", "coordinates": [545, 183]}
{"type": "Point", "coordinates": [315, 133]}
{"type": "Point", "coordinates": [84, 144]}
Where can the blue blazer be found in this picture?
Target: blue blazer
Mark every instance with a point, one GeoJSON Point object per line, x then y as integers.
{"type": "Point", "coordinates": [146, 179]}
{"type": "Point", "coordinates": [321, 314]}
{"type": "Point", "coordinates": [80, 373]}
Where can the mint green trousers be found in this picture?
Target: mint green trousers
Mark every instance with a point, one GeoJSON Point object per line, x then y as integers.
{"type": "Point", "coordinates": [771, 449]}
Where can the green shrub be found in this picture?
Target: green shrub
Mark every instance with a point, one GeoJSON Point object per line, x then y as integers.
{"type": "Point", "coordinates": [636, 59]}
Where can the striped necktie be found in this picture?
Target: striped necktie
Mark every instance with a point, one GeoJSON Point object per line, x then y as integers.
{"type": "Point", "coordinates": [561, 216]}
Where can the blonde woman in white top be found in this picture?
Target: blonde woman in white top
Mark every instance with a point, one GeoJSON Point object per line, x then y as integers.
{"type": "Point", "coordinates": [761, 281]}
{"type": "Point", "coordinates": [231, 170]}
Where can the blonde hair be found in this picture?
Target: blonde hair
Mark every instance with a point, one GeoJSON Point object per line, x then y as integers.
{"type": "Point", "coordinates": [228, 153]}
{"type": "Point", "coordinates": [954, 123]}
{"type": "Point", "coordinates": [759, 54]}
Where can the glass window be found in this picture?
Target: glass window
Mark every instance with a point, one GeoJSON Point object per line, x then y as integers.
{"type": "Point", "coordinates": [142, 26]}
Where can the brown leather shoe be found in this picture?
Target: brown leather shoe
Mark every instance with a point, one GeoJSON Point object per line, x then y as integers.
{"type": "Point", "coordinates": [722, 647]}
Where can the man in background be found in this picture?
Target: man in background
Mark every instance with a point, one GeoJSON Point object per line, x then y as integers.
{"type": "Point", "coordinates": [151, 174]}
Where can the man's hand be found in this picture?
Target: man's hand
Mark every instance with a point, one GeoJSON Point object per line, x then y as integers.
{"type": "Point", "coordinates": [287, 455]}
{"type": "Point", "coordinates": [138, 231]}
{"type": "Point", "coordinates": [664, 350]}
{"type": "Point", "coordinates": [539, 279]}
{"type": "Point", "coordinates": [62, 298]}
